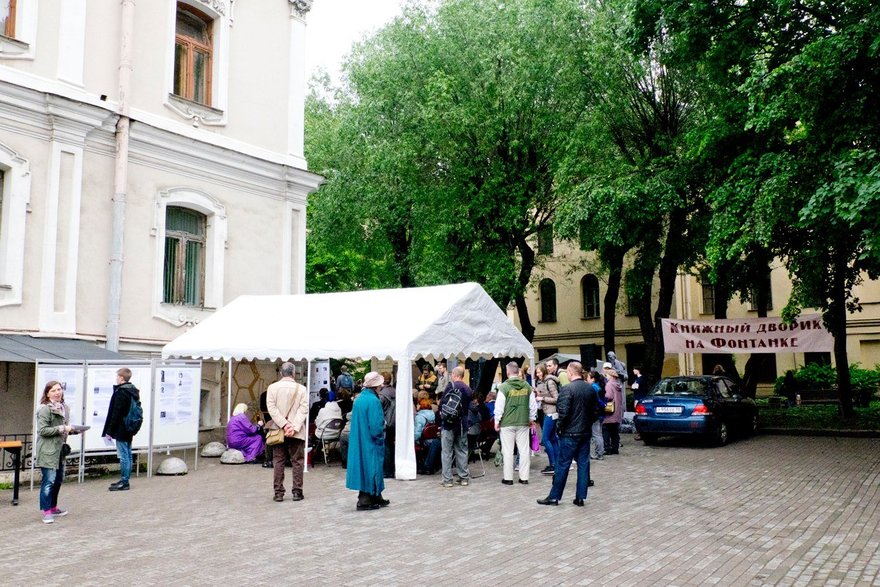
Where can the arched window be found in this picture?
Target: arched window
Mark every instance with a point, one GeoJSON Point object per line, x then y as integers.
{"type": "Point", "coordinates": [184, 281]}
{"type": "Point", "coordinates": [548, 300]}
{"type": "Point", "coordinates": [590, 292]}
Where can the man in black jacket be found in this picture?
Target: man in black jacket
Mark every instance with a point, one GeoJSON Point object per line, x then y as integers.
{"type": "Point", "coordinates": [576, 406]}
{"type": "Point", "coordinates": [124, 393]}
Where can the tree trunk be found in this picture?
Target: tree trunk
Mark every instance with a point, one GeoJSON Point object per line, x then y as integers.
{"type": "Point", "coordinates": [722, 301]}
{"type": "Point", "coordinates": [837, 322]}
{"type": "Point", "coordinates": [667, 274]}
{"type": "Point", "coordinates": [754, 366]}
{"type": "Point", "coordinates": [612, 294]}
{"type": "Point", "coordinates": [527, 257]}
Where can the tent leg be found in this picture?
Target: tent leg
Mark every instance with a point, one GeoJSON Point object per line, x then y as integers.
{"type": "Point", "coordinates": [229, 391]}
{"type": "Point", "coordinates": [308, 395]}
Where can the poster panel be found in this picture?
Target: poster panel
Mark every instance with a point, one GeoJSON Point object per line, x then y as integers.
{"type": "Point", "coordinates": [176, 411]}
{"type": "Point", "coordinates": [71, 379]}
{"type": "Point", "coordinates": [99, 389]}
{"type": "Point", "coordinates": [320, 377]}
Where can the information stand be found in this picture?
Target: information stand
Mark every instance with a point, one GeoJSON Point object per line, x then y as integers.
{"type": "Point", "coordinates": [170, 395]}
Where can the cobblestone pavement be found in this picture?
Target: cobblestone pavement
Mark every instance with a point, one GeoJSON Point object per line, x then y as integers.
{"type": "Point", "coordinates": [764, 511]}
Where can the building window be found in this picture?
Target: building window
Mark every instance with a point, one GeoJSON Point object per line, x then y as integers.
{"type": "Point", "coordinates": [753, 300]}
{"type": "Point", "coordinates": [817, 359]}
{"type": "Point", "coordinates": [193, 55]}
{"type": "Point", "coordinates": [590, 293]}
{"type": "Point", "coordinates": [545, 240]}
{"type": "Point", "coordinates": [7, 17]}
{"type": "Point", "coordinates": [548, 300]}
{"type": "Point", "coordinates": [708, 298]}
{"type": "Point", "coordinates": [184, 276]}
{"type": "Point", "coordinates": [15, 189]}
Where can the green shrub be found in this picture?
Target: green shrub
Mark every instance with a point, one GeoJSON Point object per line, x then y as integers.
{"type": "Point", "coordinates": [865, 382]}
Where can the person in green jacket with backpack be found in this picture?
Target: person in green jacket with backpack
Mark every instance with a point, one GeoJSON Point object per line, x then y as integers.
{"type": "Point", "coordinates": [123, 423]}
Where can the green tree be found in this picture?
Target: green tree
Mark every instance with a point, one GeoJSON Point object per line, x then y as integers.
{"type": "Point", "coordinates": [447, 139]}
{"type": "Point", "coordinates": [799, 127]}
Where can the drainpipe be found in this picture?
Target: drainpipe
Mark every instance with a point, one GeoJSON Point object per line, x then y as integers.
{"type": "Point", "coordinates": [120, 174]}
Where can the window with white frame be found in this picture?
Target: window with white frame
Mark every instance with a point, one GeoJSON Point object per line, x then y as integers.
{"type": "Point", "coordinates": [191, 232]}
{"type": "Point", "coordinates": [15, 187]}
{"type": "Point", "coordinates": [193, 54]}
{"type": "Point", "coordinates": [184, 275]}
{"type": "Point", "coordinates": [7, 17]}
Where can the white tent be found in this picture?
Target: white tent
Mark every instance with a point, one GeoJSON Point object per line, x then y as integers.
{"type": "Point", "coordinates": [401, 324]}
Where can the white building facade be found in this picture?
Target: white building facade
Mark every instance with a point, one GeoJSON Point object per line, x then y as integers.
{"type": "Point", "coordinates": [152, 169]}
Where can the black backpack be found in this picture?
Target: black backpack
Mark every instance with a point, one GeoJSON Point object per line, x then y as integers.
{"type": "Point", "coordinates": [450, 408]}
{"type": "Point", "coordinates": [134, 418]}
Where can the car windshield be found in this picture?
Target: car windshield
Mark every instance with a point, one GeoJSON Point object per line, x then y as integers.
{"type": "Point", "coordinates": [680, 387]}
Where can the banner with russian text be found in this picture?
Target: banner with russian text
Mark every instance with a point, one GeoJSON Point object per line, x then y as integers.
{"type": "Point", "coordinates": [807, 334]}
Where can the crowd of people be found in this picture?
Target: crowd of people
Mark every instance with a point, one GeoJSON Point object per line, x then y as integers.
{"type": "Point", "coordinates": [575, 414]}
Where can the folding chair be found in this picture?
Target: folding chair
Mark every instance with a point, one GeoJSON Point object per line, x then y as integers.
{"type": "Point", "coordinates": [329, 437]}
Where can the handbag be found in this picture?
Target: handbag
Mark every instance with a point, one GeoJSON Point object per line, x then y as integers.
{"type": "Point", "coordinates": [65, 450]}
{"type": "Point", "coordinates": [274, 436]}
{"type": "Point", "coordinates": [609, 407]}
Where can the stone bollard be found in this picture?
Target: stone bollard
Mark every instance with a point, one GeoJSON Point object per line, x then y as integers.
{"type": "Point", "coordinates": [172, 466]}
{"type": "Point", "coordinates": [232, 457]}
{"type": "Point", "coordinates": [213, 449]}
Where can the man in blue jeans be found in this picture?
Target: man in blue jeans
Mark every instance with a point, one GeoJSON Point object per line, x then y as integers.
{"type": "Point", "coordinates": [576, 406]}
{"type": "Point", "coordinates": [114, 427]}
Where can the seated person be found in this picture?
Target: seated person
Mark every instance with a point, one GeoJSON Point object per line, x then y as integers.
{"type": "Point", "coordinates": [425, 417]}
{"type": "Point", "coordinates": [323, 398]}
{"type": "Point", "coordinates": [344, 436]}
{"type": "Point", "coordinates": [477, 414]}
{"type": "Point", "coordinates": [244, 435]}
{"type": "Point", "coordinates": [331, 411]}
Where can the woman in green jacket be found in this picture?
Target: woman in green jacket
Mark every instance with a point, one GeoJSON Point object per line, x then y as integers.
{"type": "Point", "coordinates": [52, 428]}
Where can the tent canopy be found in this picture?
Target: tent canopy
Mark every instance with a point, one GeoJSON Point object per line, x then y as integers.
{"type": "Point", "coordinates": [432, 322]}
{"type": "Point", "coordinates": [401, 324]}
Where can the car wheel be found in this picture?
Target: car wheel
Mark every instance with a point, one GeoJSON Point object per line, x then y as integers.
{"type": "Point", "coordinates": [649, 439]}
{"type": "Point", "coordinates": [722, 434]}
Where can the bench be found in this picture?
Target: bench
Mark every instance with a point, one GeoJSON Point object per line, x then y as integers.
{"type": "Point", "coordinates": [819, 396]}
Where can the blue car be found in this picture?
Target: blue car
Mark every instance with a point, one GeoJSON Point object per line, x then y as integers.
{"type": "Point", "coordinates": [707, 406]}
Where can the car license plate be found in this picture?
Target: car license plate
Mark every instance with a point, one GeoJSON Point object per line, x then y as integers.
{"type": "Point", "coordinates": [667, 409]}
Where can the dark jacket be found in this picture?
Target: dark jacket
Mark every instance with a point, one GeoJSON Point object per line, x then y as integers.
{"type": "Point", "coordinates": [576, 406]}
{"type": "Point", "coordinates": [120, 403]}
{"type": "Point", "coordinates": [466, 396]}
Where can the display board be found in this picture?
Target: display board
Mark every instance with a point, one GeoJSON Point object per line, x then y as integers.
{"type": "Point", "coordinates": [71, 379]}
{"type": "Point", "coordinates": [319, 377]}
{"type": "Point", "coordinates": [100, 380]}
{"type": "Point", "coordinates": [177, 389]}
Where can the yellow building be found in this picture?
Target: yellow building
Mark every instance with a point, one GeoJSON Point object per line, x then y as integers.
{"type": "Point", "coordinates": [565, 304]}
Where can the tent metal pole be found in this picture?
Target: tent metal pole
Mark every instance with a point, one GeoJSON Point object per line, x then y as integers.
{"type": "Point", "coordinates": [309, 396]}
{"type": "Point", "coordinates": [229, 391]}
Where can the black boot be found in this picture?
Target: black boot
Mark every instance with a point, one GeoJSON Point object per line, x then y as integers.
{"type": "Point", "coordinates": [365, 502]}
{"type": "Point", "coordinates": [381, 501]}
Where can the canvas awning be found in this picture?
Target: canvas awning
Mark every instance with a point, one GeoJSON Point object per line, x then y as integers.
{"type": "Point", "coordinates": [401, 324]}
{"type": "Point", "coordinates": [23, 348]}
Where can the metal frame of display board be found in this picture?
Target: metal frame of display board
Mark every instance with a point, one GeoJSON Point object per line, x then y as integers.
{"type": "Point", "coordinates": [159, 365]}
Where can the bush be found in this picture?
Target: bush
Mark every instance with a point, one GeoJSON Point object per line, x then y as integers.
{"type": "Point", "coordinates": [816, 376]}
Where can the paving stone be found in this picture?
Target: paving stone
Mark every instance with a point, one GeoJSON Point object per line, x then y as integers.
{"type": "Point", "coordinates": [773, 510]}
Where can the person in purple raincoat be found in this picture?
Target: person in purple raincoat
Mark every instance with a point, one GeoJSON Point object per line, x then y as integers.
{"type": "Point", "coordinates": [244, 435]}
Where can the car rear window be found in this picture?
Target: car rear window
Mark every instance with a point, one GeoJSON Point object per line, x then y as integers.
{"type": "Point", "coordinates": [680, 387]}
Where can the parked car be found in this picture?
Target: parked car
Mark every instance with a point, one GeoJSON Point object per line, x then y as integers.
{"type": "Point", "coordinates": [706, 406]}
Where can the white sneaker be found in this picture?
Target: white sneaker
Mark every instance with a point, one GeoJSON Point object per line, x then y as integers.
{"type": "Point", "coordinates": [48, 518]}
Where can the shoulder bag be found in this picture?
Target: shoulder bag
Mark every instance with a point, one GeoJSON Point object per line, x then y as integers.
{"type": "Point", "coordinates": [276, 435]}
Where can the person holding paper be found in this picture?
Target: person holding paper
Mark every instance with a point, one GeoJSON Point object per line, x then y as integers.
{"type": "Point", "coordinates": [52, 431]}
{"type": "Point", "coordinates": [124, 393]}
